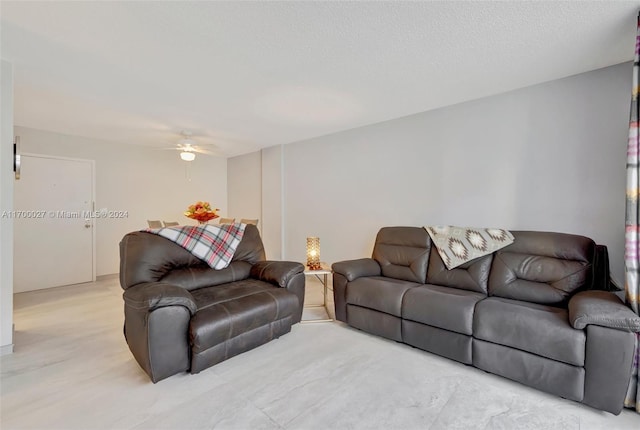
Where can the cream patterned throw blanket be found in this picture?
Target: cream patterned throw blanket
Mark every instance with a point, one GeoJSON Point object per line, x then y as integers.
{"type": "Point", "coordinates": [457, 245]}
{"type": "Point", "coordinates": [215, 244]}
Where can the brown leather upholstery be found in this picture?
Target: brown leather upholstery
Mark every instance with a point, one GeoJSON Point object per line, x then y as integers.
{"type": "Point", "coordinates": [472, 275]}
{"type": "Point", "coordinates": [542, 267]}
{"type": "Point", "coordinates": [403, 253]}
{"type": "Point", "coordinates": [147, 257]}
{"type": "Point", "coordinates": [447, 308]}
{"type": "Point", "coordinates": [606, 371]}
{"type": "Point", "coordinates": [233, 310]}
{"type": "Point", "coordinates": [539, 329]}
{"type": "Point", "coordinates": [379, 293]}
{"type": "Point", "coordinates": [182, 315]}
{"type": "Point", "coordinates": [527, 312]}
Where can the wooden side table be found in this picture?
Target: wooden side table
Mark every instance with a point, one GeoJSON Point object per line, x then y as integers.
{"type": "Point", "coordinates": [323, 276]}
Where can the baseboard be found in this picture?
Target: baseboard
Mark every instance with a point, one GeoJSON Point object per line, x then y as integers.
{"type": "Point", "coordinates": [6, 349]}
{"type": "Point", "coordinates": [106, 277]}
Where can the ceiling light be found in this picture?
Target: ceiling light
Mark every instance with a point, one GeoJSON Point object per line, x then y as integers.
{"type": "Point", "coordinates": [187, 156]}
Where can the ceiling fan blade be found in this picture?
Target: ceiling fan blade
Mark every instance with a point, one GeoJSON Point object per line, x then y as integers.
{"type": "Point", "coordinates": [187, 143]}
{"type": "Point", "coordinates": [203, 151]}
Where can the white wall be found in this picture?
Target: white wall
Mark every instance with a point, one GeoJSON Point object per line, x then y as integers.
{"type": "Point", "coordinates": [273, 198]}
{"type": "Point", "coordinates": [244, 183]}
{"type": "Point", "coordinates": [148, 183]}
{"type": "Point", "coordinates": [548, 157]}
{"type": "Point", "coordinates": [6, 204]}
{"type": "Point", "coordinates": [255, 178]}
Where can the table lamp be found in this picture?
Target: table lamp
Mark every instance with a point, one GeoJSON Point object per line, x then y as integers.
{"type": "Point", "coordinates": [313, 253]}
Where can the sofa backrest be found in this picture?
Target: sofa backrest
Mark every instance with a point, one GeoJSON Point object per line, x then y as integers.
{"type": "Point", "coordinates": [472, 275]}
{"type": "Point", "coordinates": [147, 257]}
{"type": "Point", "coordinates": [403, 253]}
{"type": "Point", "coordinates": [541, 267]}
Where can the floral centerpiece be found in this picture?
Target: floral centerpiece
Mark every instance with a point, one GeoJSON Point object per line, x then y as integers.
{"type": "Point", "coordinates": [201, 212]}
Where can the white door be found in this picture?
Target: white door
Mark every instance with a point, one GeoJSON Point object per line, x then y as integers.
{"type": "Point", "coordinates": [53, 224]}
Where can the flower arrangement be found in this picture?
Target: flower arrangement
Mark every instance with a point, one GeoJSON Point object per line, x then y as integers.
{"type": "Point", "coordinates": [201, 212]}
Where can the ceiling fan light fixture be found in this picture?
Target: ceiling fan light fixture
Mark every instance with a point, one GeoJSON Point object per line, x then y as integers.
{"type": "Point", "coordinates": [187, 155]}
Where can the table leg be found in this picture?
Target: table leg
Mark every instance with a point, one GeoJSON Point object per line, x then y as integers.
{"type": "Point", "coordinates": [325, 292]}
{"type": "Point", "coordinates": [324, 280]}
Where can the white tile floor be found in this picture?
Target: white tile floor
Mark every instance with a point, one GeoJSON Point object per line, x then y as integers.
{"type": "Point", "coordinates": [72, 370]}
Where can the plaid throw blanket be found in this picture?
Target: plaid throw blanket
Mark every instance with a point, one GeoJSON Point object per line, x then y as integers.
{"type": "Point", "coordinates": [215, 244]}
{"type": "Point", "coordinates": [457, 245]}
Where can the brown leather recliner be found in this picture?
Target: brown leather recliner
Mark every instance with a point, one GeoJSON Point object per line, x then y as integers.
{"type": "Point", "coordinates": [181, 315]}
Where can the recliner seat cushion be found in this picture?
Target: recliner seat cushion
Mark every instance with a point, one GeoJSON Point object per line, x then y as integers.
{"type": "Point", "coordinates": [541, 330]}
{"type": "Point", "coordinates": [230, 310]}
{"type": "Point", "coordinates": [234, 290]}
{"type": "Point", "coordinates": [403, 253]}
{"type": "Point", "coordinates": [541, 267]}
{"type": "Point", "coordinates": [442, 307]}
{"type": "Point", "coordinates": [379, 293]}
{"type": "Point", "coordinates": [196, 277]}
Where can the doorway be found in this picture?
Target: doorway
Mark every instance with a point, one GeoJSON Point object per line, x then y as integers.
{"type": "Point", "coordinates": [54, 223]}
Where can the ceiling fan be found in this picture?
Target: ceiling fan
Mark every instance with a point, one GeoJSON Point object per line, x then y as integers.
{"type": "Point", "coordinates": [188, 148]}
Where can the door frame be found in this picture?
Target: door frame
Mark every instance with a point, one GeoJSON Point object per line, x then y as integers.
{"type": "Point", "coordinates": [93, 201]}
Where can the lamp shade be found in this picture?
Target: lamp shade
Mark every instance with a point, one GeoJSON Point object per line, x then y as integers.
{"type": "Point", "coordinates": [187, 156]}
{"type": "Point", "coordinates": [313, 253]}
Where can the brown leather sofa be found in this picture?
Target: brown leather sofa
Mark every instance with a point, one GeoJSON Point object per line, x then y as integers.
{"type": "Point", "coordinates": [535, 311]}
{"type": "Point", "coordinates": [181, 315]}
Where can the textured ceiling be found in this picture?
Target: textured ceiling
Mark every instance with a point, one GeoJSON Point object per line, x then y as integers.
{"type": "Point", "coordinates": [246, 75]}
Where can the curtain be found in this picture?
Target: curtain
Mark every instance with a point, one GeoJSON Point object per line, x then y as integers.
{"type": "Point", "coordinates": [632, 227]}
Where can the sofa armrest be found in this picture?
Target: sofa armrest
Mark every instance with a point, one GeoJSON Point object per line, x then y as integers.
{"type": "Point", "coordinates": [354, 269]}
{"type": "Point", "coordinates": [276, 272]}
{"type": "Point", "coordinates": [156, 327]}
{"type": "Point", "coordinates": [152, 295]}
{"type": "Point", "coordinates": [601, 308]}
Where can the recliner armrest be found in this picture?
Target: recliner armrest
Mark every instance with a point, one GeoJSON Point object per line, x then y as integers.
{"type": "Point", "coordinates": [354, 269]}
{"type": "Point", "coordinates": [152, 295]}
{"type": "Point", "coordinates": [276, 272]}
{"type": "Point", "coordinates": [601, 308]}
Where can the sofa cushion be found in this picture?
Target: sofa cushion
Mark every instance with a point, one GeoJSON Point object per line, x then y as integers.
{"type": "Point", "coordinates": [472, 275]}
{"type": "Point", "coordinates": [541, 267]}
{"type": "Point", "coordinates": [146, 257]}
{"type": "Point", "coordinates": [230, 310]}
{"type": "Point", "coordinates": [194, 277]}
{"type": "Point", "coordinates": [210, 296]}
{"type": "Point", "coordinates": [250, 248]}
{"type": "Point", "coordinates": [379, 293]}
{"type": "Point", "coordinates": [539, 329]}
{"type": "Point", "coordinates": [403, 253]}
{"type": "Point", "coordinates": [441, 307]}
